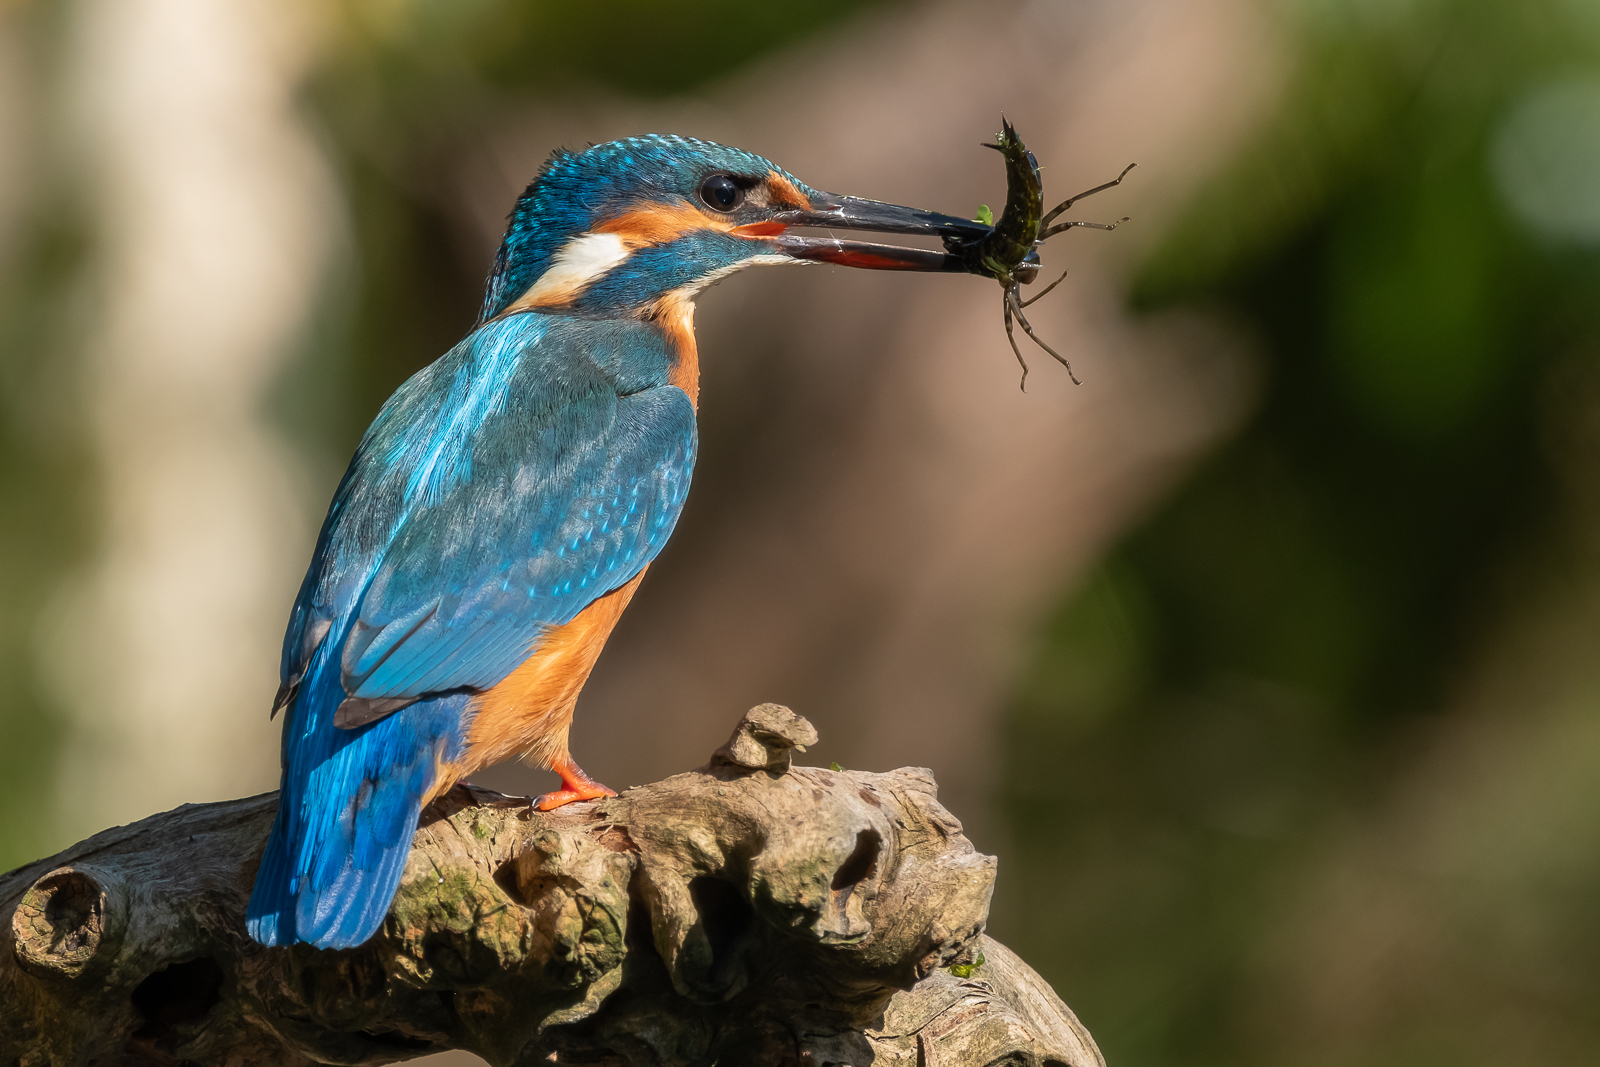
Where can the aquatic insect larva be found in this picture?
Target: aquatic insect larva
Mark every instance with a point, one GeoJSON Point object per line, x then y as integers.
{"type": "Point", "coordinates": [1009, 252]}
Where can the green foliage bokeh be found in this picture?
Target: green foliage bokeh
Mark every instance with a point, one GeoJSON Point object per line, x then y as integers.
{"type": "Point", "coordinates": [1245, 676]}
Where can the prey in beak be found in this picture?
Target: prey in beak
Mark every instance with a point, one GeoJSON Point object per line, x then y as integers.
{"type": "Point", "coordinates": [1005, 250]}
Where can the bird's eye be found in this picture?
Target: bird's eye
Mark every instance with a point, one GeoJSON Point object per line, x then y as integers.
{"type": "Point", "coordinates": [721, 193]}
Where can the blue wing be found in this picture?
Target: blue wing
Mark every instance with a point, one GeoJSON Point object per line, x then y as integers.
{"type": "Point", "coordinates": [468, 584]}
{"type": "Point", "coordinates": [538, 466]}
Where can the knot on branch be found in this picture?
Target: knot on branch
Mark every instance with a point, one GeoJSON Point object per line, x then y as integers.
{"type": "Point", "coordinates": [726, 915]}
{"type": "Point", "coordinates": [764, 739]}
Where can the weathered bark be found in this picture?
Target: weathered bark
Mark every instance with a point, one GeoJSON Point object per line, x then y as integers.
{"type": "Point", "coordinates": [748, 912]}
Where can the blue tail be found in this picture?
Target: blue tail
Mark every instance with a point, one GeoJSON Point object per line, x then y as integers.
{"type": "Point", "coordinates": [347, 811]}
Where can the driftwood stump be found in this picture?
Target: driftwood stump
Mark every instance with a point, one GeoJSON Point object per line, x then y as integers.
{"type": "Point", "coordinates": [749, 912]}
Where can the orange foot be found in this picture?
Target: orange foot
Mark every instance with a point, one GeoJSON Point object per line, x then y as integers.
{"type": "Point", "coordinates": [579, 786]}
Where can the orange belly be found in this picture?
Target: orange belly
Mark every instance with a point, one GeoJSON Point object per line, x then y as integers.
{"type": "Point", "coordinates": [529, 712]}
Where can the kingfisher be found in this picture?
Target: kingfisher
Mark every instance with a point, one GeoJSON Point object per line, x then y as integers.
{"type": "Point", "coordinates": [504, 505]}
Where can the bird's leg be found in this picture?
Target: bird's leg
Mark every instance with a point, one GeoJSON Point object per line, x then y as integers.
{"type": "Point", "coordinates": [1035, 297]}
{"type": "Point", "coordinates": [1059, 208]}
{"type": "Point", "coordinates": [1011, 305]}
{"type": "Point", "coordinates": [576, 785]}
{"type": "Point", "coordinates": [1006, 299]}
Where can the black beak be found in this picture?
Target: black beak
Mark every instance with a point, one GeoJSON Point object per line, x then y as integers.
{"type": "Point", "coordinates": [853, 213]}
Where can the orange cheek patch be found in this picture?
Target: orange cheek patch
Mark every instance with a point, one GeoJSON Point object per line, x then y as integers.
{"type": "Point", "coordinates": [782, 191]}
{"type": "Point", "coordinates": [657, 224]}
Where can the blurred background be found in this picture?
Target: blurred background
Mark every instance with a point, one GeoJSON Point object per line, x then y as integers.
{"type": "Point", "coordinates": [1264, 660]}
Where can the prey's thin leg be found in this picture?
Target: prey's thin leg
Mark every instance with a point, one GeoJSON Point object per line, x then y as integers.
{"type": "Point", "coordinates": [1006, 298]}
{"type": "Point", "coordinates": [1059, 208]}
{"type": "Point", "coordinates": [1045, 290]}
{"type": "Point", "coordinates": [1011, 306]}
{"type": "Point", "coordinates": [1062, 227]}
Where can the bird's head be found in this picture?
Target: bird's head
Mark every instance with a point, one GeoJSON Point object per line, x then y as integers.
{"type": "Point", "coordinates": [627, 224]}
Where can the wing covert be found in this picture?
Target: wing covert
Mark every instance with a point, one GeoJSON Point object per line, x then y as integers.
{"type": "Point", "coordinates": [471, 581]}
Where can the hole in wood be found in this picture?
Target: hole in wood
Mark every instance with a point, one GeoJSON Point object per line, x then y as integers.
{"type": "Point", "coordinates": [861, 865]}
{"type": "Point", "coordinates": [726, 917]}
{"type": "Point", "coordinates": [180, 995]}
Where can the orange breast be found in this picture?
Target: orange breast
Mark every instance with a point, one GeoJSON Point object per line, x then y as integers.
{"type": "Point", "coordinates": [529, 712]}
{"type": "Point", "coordinates": [674, 313]}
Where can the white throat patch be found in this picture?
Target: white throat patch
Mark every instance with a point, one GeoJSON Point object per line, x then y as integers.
{"type": "Point", "coordinates": [577, 264]}
{"type": "Point", "coordinates": [588, 257]}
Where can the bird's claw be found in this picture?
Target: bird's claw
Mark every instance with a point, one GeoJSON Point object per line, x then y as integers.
{"type": "Point", "coordinates": [576, 786]}
{"type": "Point", "coordinates": [552, 801]}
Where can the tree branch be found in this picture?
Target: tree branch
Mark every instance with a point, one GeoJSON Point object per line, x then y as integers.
{"type": "Point", "coordinates": [747, 912]}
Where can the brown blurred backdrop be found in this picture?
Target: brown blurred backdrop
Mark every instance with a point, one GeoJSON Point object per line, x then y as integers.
{"type": "Point", "coordinates": [1264, 660]}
